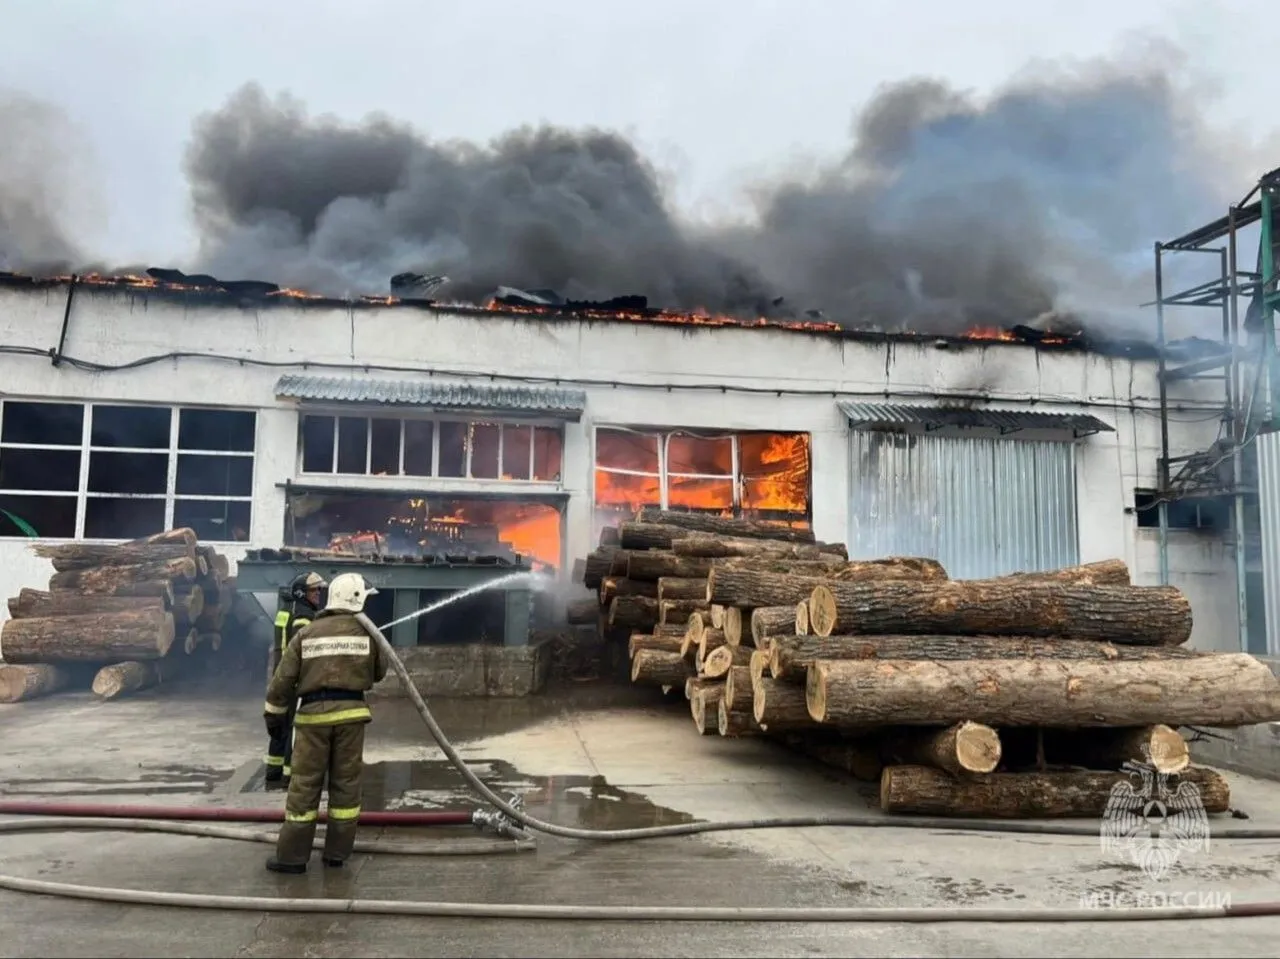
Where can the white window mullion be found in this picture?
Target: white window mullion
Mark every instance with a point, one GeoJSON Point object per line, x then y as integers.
{"type": "Point", "coordinates": [400, 468]}
{"type": "Point", "coordinates": [501, 431]}
{"type": "Point", "coordinates": [368, 446]}
{"type": "Point", "coordinates": [333, 463]}
{"type": "Point", "coordinates": [736, 472]}
{"type": "Point", "coordinates": [533, 448]}
{"type": "Point", "coordinates": [663, 440]}
{"type": "Point", "coordinates": [171, 479]}
{"type": "Point", "coordinates": [435, 447]}
{"type": "Point", "coordinates": [82, 489]}
{"type": "Point", "coordinates": [467, 435]}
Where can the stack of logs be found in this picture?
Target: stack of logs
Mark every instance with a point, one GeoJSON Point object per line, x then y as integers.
{"type": "Point", "coordinates": [119, 618]}
{"type": "Point", "coordinates": [1028, 695]}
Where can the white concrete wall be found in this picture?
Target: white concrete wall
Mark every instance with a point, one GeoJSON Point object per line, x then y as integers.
{"type": "Point", "coordinates": [619, 364]}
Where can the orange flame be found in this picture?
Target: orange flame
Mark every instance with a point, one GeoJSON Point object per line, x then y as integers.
{"type": "Point", "coordinates": [700, 317]}
{"type": "Point", "coordinates": [773, 475]}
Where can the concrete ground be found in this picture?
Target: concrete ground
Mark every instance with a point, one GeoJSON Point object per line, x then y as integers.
{"type": "Point", "coordinates": [597, 756]}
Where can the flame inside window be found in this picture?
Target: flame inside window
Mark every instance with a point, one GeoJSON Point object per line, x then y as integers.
{"type": "Point", "coordinates": [370, 523]}
{"type": "Point", "coordinates": [764, 476]}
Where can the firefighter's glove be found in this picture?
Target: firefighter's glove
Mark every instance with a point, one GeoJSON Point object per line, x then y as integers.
{"type": "Point", "coordinates": [276, 724]}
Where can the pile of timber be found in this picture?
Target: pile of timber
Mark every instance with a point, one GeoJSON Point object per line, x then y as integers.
{"type": "Point", "coordinates": [1027, 695]}
{"type": "Point", "coordinates": [116, 618]}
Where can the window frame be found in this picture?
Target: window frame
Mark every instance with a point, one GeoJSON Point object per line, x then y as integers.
{"type": "Point", "coordinates": [469, 419]}
{"type": "Point", "coordinates": [172, 451]}
{"type": "Point", "coordinates": [664, 474]}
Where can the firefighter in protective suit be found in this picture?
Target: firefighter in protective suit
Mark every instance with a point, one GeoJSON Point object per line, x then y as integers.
{"type": "Point", "coordinates": [326, 668]}
{"type": "Point", "coordinates": [302, 604]}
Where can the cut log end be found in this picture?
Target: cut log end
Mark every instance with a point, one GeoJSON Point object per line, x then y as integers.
{"type": "Point", "coordinates": [802, 618]}
{"type": "Point", "coordinates": [21, 683]}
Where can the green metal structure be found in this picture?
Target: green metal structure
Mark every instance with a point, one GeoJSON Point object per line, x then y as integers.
{"type": "Point", "coordinates": [1242, 358]}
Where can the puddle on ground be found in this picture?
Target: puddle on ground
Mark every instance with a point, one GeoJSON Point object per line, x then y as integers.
{"type": "Point", "coordinates": [159, 780]}
{"type": "Point", "coordinates": [434, 785]}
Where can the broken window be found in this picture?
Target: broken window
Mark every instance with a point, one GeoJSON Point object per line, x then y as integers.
{"type": "Point", "coordinates": [452, 460]}
{"type": "Point", "coordinates": [764, 476]}
{"type": "Point", "coordinates": [774, 469]}
{"type": "Point", "coordinates": [384, 447]}
{"type": "Point", "coordinates": [486, 440]}
{"type": "Point", "coordinates": [517, 452]}
{"type": "Point", "coordinates": [419, 447]}
{"type": "Point", "coordinates": [700, 472]}
{"type": "Point", "coordinates": [40, 456]}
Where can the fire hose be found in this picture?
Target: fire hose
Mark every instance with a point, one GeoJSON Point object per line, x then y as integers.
{"type": "Point", "coordinates": [509, 816]}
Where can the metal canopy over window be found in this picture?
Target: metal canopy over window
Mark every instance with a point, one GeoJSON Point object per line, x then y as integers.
{"type": "Point", "coordinates": [433, 395]}
{"type": "Point", "coordinates": [897, 416]}
{"type": "Point", "coordinates": [980, 506]}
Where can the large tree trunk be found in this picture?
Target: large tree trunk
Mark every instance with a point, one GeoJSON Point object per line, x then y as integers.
{"type": "Point", "coordinates": [735, 629]}
{"type": "Point", "coordinates": [1106, 572]}
{"type": "Point", "coordinates": [750, 587]}
{"type": "Point", "coordinates": [120, 678]}
{"type": "Point", "coordinates": [1143, 615]}
{"type": "Point", "coordinates": [1225, 689]}
{"type": "Point", "coordinates": [34, 603]}
{"type": "Point", "coordinates": [759, 666]}
{"type": "Point", "coordinates": [633, 612]}
{"type": "Point", "coordinates": [610, 536]}
{"type": "Point", "coordinates": [962, 749]}
{"type": "Point", "coordinates": [704, 704]}
{"type": "Point", "coordinates": [650, 535]}
{"type": "Point", "coordinates": [710, 545]}
{"type": "Point", "coordinates": [105, 637]}
{"type": "Point", "coordinates": [723, 526]}
{"type": "Point", "coordinates": [921, 790]}
{"type": "Point", "coordinates": [670, 587]}
{"type": "Point", "coordinates": [657, 564]}
{"type": "Point", "coordinates": [790, 657]}
{"type": "Point", "coordinates": [739, 692]}
{"type": "Point", "coordinates": [770, 621]}
{"type": "Point", "coordinates": [612, 586]}
{"type": "Point", "coordinates": [778, 707]}
{"type": "Point", "coordinates": [117, 579]}
{"type": "Point", "coordinates": [859, 758]}
{"type": "Point", "coordinates": [913, 568]}
{"type": "Point", "coordinates": [1159, 746]}
{"type": "Point", "coordinates": [183, 534]}
{"type": "Point", "coordinates": [70, 556]}
{"type": "Point", "coordinates": [665, 644]}
{"type": "Point", "coordinates": [709, 640]}
{"type": "Point", "coordinates": [655, 668]}
{"type": "Point", "coordinates": [734, 723]}
{"type": "Point", "coordinates": [679, 610]}
{"type": "Point", "coordinates": [20, 683]}
{"type": "Point", "coordinates": [582, 612]}
{"type": "Point", "coordinates": [720, 660]}
{"type": "Point", "coordinates": [597, 566]}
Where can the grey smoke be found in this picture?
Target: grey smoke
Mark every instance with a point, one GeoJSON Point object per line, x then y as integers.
{"type": "Point", "coordinates": [945, 211]}
{"type": "Point", "coordinates": [42, 186]}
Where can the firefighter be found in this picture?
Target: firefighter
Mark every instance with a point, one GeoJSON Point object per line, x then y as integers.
{"type": "Point", "coordinates": [326, 668]}
{"type": "Point", "coordinates": [301, 604]}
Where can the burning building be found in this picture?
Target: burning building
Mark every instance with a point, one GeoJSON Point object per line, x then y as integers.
{"type": "Point", "coordinates": [265, 417]}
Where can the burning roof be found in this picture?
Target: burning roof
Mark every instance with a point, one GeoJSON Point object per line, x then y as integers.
{"type": "Point", "coordinates": [1051, 333]}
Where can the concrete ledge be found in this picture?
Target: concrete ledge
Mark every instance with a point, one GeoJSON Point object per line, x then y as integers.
{"type": "Point", "coordinates": [471, 670]}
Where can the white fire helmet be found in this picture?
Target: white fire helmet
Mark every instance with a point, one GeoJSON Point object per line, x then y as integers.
{"type": "Point", "coordinates": [348, 592]}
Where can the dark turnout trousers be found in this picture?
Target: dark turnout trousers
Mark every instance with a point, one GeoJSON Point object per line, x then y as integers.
{"type": "Point", "coordinates": [338, 751]}
{"type": "Point", "coordinates": [279, 757]}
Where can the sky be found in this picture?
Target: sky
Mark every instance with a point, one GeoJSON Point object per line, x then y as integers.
{"type": "Point", "coordinates": [719, 94]}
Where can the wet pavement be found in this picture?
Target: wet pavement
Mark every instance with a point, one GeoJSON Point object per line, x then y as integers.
{"type": "Point", "coordinates": [592, 757]}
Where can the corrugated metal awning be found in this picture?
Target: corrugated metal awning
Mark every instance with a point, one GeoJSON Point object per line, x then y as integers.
{"type": "Point", "coordinates": [895, 416]}
{"type": "Point", "coordinates": [431, 394]}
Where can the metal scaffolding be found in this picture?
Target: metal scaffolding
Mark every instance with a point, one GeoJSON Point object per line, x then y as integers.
{"type": "Point", "coordinates": [1242, 358]}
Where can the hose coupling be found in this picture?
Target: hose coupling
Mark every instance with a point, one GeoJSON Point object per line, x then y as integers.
{"type": "Point", "coordinates": [499, 821]}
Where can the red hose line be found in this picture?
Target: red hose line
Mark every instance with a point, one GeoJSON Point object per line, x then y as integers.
{"type": "Point", "coordinates": [25, 807]}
